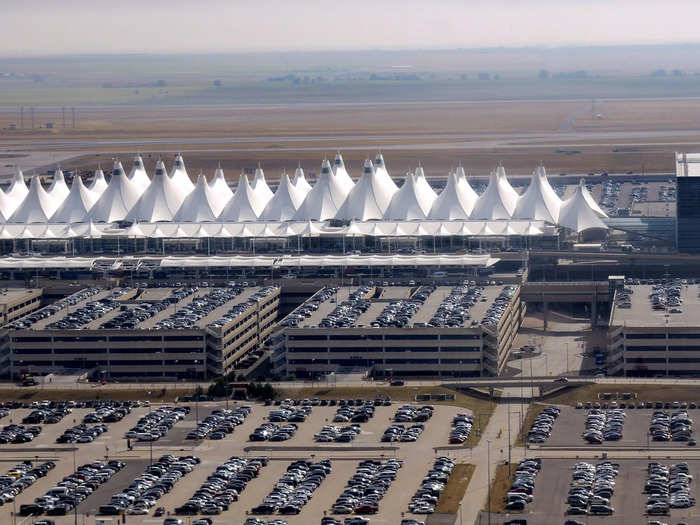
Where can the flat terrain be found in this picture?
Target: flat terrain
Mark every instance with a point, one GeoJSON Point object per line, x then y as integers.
{"type": "Point", "coordinates": [631, 135]}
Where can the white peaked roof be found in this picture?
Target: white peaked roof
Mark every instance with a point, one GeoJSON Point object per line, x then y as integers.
{"type": "Point", "coordinates": [98, 184]}
{"type": "Point", "coordinates": [245, 205]}
{"type": "Point", "coordinates": [422, 184]}
{"type": "Point", "coordinates": [201, 205]}
{"type": "Point", "coordinates": [58, 189]}
{"type": "Point", "coordinates": [138, 174]}
{"type": "Point", "coordinates": [13, 197]}
{"type": "Point", "coordinates": [18, 189]}
{"type": "Point", "coordinates": [410, 203]}
{"type": "Point", "coordinates": [161, 200]}
{"type": "Point", "coordinates": [285, 202]}
{"type": "Point", "coordinates": [382, 171]}
{"type": "Point", "coordinates": [179, 175]}
{"type": "Point", "coordinates": [576, 212]}
{"type": "Point", "coordinates": [454, 201]}
{"type": "Point", "coordinates": [117, 200]}
{"type": "Point", "coordinates": [539, 201]}
{"type": "Point", "coordinates": [300, 181]}
{"type": "Point", "coordinates": [260, 187]}
{"type": "Point", "coordinates": [499, 199]}
{"type": "Point", "coordinates": [325, 199]}
{"type": "Point", "coordinates": [76, 206]}
{"type": "Point", "coordinates": [370, 197]}
{"type": "Point", "coordinates": [37, 206]}
{"type": "Point", "coordinates": [341, 173]}
{"type": "Point", "coordinates": [592, 203]}
{"type": "Point", "coordinates": [465, 188]}
{"type": "Point", "coordinates": [221, 189]}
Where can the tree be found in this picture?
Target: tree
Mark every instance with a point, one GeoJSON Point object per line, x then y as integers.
{"type": "Point", "coordinates": [543, 74]}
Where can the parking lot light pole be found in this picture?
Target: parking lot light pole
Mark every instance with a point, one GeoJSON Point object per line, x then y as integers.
{"type": "Point", "coordinates": [75, 506]}
{"type": "Point", "coordinates": [488, 471]}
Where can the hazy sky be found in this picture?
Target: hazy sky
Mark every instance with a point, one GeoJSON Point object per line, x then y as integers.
{"type": "Point", "coordinates": [41, 27]}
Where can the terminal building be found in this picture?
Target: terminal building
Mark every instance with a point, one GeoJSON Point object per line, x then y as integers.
{"type": "Point", "coordinates": [177, 333]}
{"type": "Point", "coordinates": [654, 330]}
{"type": "Point", "coordinates": [688, 202]}
{"type": "Point", "coordinates": [400, 331]}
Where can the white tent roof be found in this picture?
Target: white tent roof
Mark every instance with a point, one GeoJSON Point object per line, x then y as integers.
{"type": "Point", "coordinates": [454, 202]}
{"type": "Point", "coordinates": [260, 187]}
{"type": "Point", "coordinates": [179, 175]}
{"type": "Point", "coordinates": [499, 199]}
{"type": "Point", "coordinates": [37, 206]}
{"type": "Point", "coordinates": [201, 205]}
{"type": "Point", "coordinates": [58, 189]}
{"type": "Point", "coordinates": [76, 206]}
{"type": "Point", "coordinates": [341, 173]}
{"type": "Point", "coordinates": [592, 203]}
{"type": "Point", "coordinates": [245, 205]}
{"type": "Point", "coordinates": [18, 189]}
{"type": "Point", "coordinates": [325, 199]}
{"type": "Point", "coordinates": [382, 172]}
{"type": "Point", "coordinates": [221, 190]}
{"type": "Point", "coordinates": [410, 203]}
{"type": "Point", "coordinates": [465, 188]}
{"type": "Point", "coordinates": [16, 192]}
{"type": "Point", "coordinates": [422, 183]}
{"type": "Point", "coordinates": [300, 181]}
{"type": "Point", "coordinates": [138, 174]}
{"type": "Point", "coordinates": [285, 202]}
{"type": "Point", "coordinates": [161, 200]}
{"type": "Point", "coordinates": [98, 184]}
{"type": "Point", "coordinates": [576, 212]}
{"type": "Point", "coordinates": [539, 201]}
{"type": "Point", "coordinates": [370, 197]}
{"type": "Point", "coordinates": [117, 200]}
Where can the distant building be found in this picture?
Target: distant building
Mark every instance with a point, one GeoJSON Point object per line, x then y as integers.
{"type": "Point", "coordinates": [688, 202]}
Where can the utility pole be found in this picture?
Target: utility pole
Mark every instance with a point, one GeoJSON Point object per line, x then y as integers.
{"type": "Point", "coordinates": [63, 117]}
{"type": "Point", "coordinates": [31, 109]}
{"type": "Point", "coordinates": [73, 113]}
{"type": "Point", "coordinates": [21, 117]}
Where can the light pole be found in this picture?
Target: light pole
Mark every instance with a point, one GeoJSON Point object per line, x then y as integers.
{"type": "Point", "coordinates": [567, 357]}
{"type": "Point", "coordinates": [488, 470]}
{"type": "Point", "coordinates": [509, 441]}
{"type": "Point", "coordinates": [150, 440]}
{"type": "Point", "coordinates": [75, 502]}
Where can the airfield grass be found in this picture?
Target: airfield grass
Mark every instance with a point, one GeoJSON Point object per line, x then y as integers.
{"type": "Point", "coordinates": [163, 395]}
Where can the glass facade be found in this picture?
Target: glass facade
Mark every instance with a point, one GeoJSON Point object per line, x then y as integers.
{"type": "Point", "coordinates": [688, 214]}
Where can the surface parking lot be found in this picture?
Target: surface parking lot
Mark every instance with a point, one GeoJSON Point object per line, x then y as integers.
{"type": "Point", "coordinates": [570, 424]}
{"type": "Point", "coordinates": [418, 457]}
{"type": "Point", "coordinates": [549, 504]}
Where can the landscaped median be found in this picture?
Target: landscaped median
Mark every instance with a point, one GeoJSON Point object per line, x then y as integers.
{"type": "Point", "coordinates": [455, 489]}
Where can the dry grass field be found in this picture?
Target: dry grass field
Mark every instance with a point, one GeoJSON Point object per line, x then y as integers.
{"type": "Point", "coordinates": [568, 136]}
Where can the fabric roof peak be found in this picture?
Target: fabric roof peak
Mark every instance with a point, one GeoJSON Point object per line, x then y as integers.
{"type": "Point", "coordinates": [37, 207]}
{"type": "Point", "coordinates": [498, 200]}
{"type": "Point", "coordinates": [286, 201]}
{"type": "Point", "coordinates": [161, 200]}
{"type": "Point", "coordinates": [300, 180]}
{"type": "Point", "coordinates": [370, 197]}
{"type": "Point", "coordinates": [138, 174]}
{"type": "Point", "coordinates": [76, 206]}
{"type": "Point", "coordinates": [325, 198]}
{"type": "Point", "coordinates": [179, 174]}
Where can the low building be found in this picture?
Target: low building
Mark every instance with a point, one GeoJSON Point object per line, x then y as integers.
{"type": "Point", "coordinates": [144, 333]}
{"type": "Point", "coordinates": [654, 330]}
{"type": "Point", "coordinates": [16, 302]}
{"type": "Point", "coordinates": [397, 331]}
